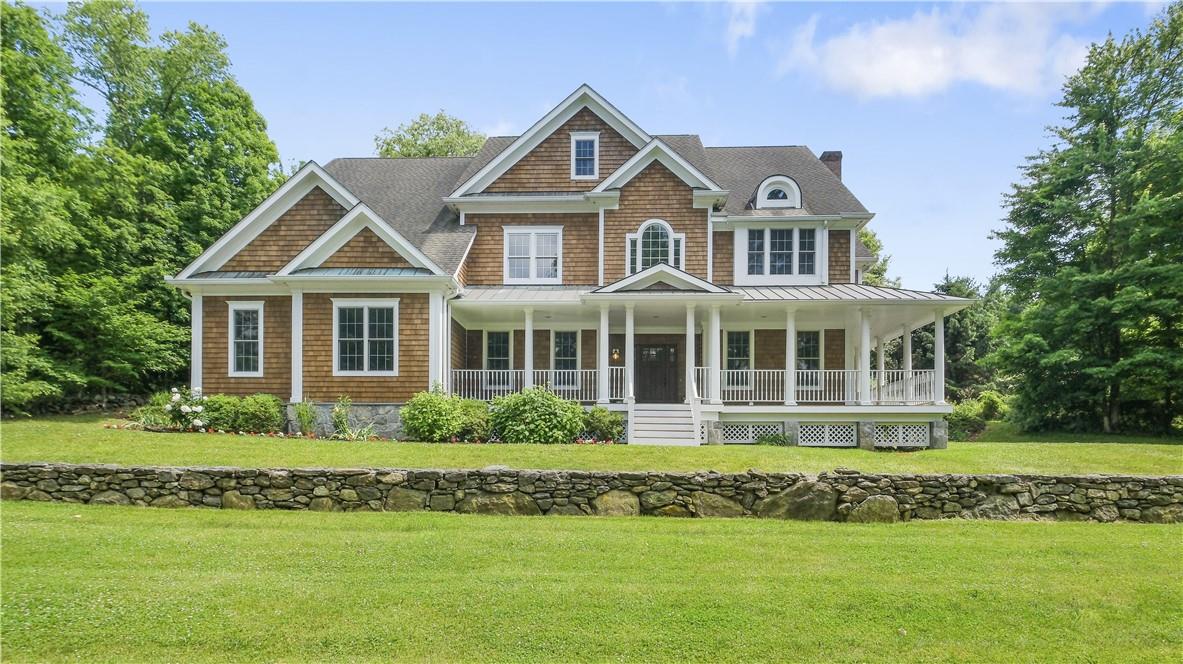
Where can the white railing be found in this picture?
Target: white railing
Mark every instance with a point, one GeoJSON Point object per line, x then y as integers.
{"type": "Point", "coordinates": [827, 386]}
{"type": "Point", "coordinates": [484, 384]}
{"type": "Point", "coordinates": [695, 408]}
{"type": "Point", "coordinates": [752, 385]}
{"type": "Point", "coordinates": [702, 380]}
{"type": "Point", "coordinates": [574, 384]}
{"type": "Point", "coordinates": [900, 386]}
{"type": "Point", "coordinates": [617, 383]}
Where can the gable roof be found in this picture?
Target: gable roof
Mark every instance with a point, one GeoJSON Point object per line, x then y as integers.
{"type": "Point", "coordinates": [360, 217]}
{"type": "Point", "coordinates": [583, 97]}
{"type": "Point", "coordinates": [665, 278]}
{"type": "Point", "coordinates": [657, 150]}
{"type": "Point", "coordinates": [740, 170]}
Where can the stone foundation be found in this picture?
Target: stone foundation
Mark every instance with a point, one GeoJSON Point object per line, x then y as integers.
{"type": "Point", "coordinates": [837, 496]}
{"type": "Point", "coordinates": [383, 416]}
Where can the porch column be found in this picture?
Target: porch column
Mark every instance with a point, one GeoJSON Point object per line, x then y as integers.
{"type": "Point", "coordinates": [602, 355]}
{"type": "Point", "coordinates": [938, 357]}
{"type": "Point", "coordinates": [689, 349]}
{"type": "Point", "coordinates": [435, 346]}
{"type": "Point", "coordinates": [879, 364]}
{"type": "Point", "coordinates": [790, 357]}
{"type": "Point", "coordinates": [864, 359]}
{"type": "Point", "coordinates": [629, 364]}
{"type": "Point", "coordinates": [528, 361]}
{"type": "Point", "coordinates": [713, 354]}
{"type": "Point", "coordinates": [297, 346]}
{"type": "Point", "coordinates": [195, 330]}
{"type": "Point", "coordinates": [906, 361]}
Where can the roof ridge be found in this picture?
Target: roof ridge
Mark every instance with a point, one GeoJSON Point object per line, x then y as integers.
{"type": "Point", "coordinates": [748, 147]}
{"type": "Point", "coordinates": [405, 158]}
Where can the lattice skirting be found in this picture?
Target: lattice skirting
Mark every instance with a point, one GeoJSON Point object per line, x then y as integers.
{"type": "Point", "coordinates": [750, 433]}
{"type": "Point", "coordinates": [901, 435]}
{"type": "Point", "coordinates": [828, 435]}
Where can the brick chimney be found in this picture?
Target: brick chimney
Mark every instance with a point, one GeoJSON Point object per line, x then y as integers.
{"type": "Point", "coordinates": [833, 161]}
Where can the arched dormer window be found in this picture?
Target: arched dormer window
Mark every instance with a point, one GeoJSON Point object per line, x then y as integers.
{"type": "Point", "coordinates": [778, 191]}
{"type": "Point", "coordinates": [655, 242]}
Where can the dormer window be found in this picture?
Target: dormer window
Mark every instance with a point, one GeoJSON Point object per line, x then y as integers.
{"type": "Point", "coordinates": [585, 155]}
{"type": "Point", "coordinates": [778, 191]}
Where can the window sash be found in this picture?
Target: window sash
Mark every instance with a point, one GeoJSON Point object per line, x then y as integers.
{"type": "Point", "coordinates": [739, 357]}
{"type": "Point", "coordinates": [366, 338]}
{"type": "Point", "coordinates": [533, 256]}
{"type": "Point", "coordinates": [807, 250]}
{"type": "Point", "coordinates": [497, 351]}
{"type": "Point", "coordinates": [585, 157]}
{"type": "Point", "coordinates": [646, 250]}
{"type": "Point", "coordinates": [246, 339]}
{"type": "Point", "coordinates": [756, 250]}
{"type": "Point", "coordinates": [782, 251]}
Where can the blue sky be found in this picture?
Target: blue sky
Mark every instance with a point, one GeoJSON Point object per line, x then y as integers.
{"type": "Point", "coordinates": [934, 106]}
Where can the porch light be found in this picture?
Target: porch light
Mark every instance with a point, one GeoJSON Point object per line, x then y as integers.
{"type": "Point", "coordinates": [615, 354]}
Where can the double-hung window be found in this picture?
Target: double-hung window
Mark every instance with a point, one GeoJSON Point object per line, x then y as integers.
{"type": "Point", "coordinates": [365, 337]}
{"type": "Point", "coordinates": [497, 359]}
{"type": "Point", "coordinates": [585, 155]}
{"type": "Point", "coordinates": [246, 339]}
{"type": "Point", "coordinates": [739, 358]}
{"type": "Point", "coordinates": [809, 358]}
{"type": "Point", "coordinates": [566, 358]}
{"type": "Point", "coordinates": [654, 243]}
{"type": "Point", "coordinates": [533, 254]}
{"type": "Point", "coordinates": [780, 252]}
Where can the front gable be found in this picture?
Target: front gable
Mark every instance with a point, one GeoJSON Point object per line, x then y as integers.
{"type": "Point", "coordinates": [361, 239]}
{"type": "Point", "coordinates": [662, 278]}
{"type": "Point", "coordinates": [285, 237]}
{"type": "Point", "coordinates": [366, 249]}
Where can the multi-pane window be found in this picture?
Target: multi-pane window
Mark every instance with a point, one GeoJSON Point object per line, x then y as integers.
{"type": "Point", "coordinates": [809, 357]}
{"type": "Point", "coordinates": [739, 357]}
{"type": "Point", "coordinates": [246, 338]}
{"type": "Point", "coordinates": [777, 195]}
{"type": "Point", "coordinates": [653, 245]}
{"type": "Point", "coordinates": [780, 251]}
{"type": "Point", "coordinates": [497, 351]}
{"type": "Point", "coordinates": [566, 358]}
{"type": "Point", "coordinates": [533, 255]}
{"type": "Point", "coordinates": [771, 251]}
{"type": "Point", "coordinates": [365, 337]}
{"type": "Point", "coordinates": [584, 155]}
{"type": "Point", "coordinates": [806, 254]}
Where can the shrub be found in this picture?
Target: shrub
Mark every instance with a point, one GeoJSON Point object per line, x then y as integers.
{"type": "Point", "coordinates": [152, 413]}
{"type": "Point", "coordinates": [305, 417]}
{"type": "Point", "coordinates": [474, 420]}
{"type": "Point", "coordinates": [261, 413]}
{"type": "Point", "coordinates": [966, 420]}
{"type": "Point", "coordinates": [777, 439]}
{"type": "Point", "coordinates": [536, 415]}
{"type": "Point", "coordinates": [599, 423]}
{"type": "Point", "coordinates": [176, 409]}
{"type": "Point", "coordinates": [432, 417]}
{"type": "Point", "coordinates": [993, 405]}
{"type": "Point", "coordinates": [221, 411]}
{"type": "Point", "coordinates": [341, 426]}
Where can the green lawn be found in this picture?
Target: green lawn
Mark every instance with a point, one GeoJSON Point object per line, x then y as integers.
{"type": "Point", "coordinates": [83, 440]}
{"type": "Point", "coordinates": [120, 584]}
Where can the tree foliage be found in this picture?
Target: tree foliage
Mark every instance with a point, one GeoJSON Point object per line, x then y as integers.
{"type": "Point", "coordinates": [95, 214]}
{"type": "Point", "coordinates": [1093, 243]}
{"type": "Point", "coordinates": [876, 273]}
{"type": "Point", "coordinates": [439, 135]}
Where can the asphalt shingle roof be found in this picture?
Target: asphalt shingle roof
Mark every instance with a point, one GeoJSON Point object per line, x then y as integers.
{"type": "Point", "coordinates": [740, 170]}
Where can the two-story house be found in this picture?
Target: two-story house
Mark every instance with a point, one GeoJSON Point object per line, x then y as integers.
{"type": "Point", "coordinates": [713, 294]}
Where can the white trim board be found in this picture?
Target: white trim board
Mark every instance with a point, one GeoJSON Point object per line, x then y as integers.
{"type": "Point", "coordinates": [656, 150]}
{"type": "Point", "coordinates": [361, 216]}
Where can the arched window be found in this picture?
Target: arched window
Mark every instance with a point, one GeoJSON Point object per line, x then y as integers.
{"type": "Point", "coordinates": [654, 242]}
{"type": "Point", "coordinates": [778, 191]}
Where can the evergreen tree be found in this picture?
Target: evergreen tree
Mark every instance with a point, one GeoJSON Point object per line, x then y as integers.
{"type": "Point", "coordinates": [1093, 244]}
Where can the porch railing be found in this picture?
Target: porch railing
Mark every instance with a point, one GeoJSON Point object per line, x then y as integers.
{"type": "Point", "coordinates": [574, 384]}
{"type": "Point", "coordinates": [617, 383]}
{"type": "Point", "coordinates": [900, 386]}
{"type": "Point", "coordinates": [757, 386]}
{"type": "Point", "coordinates": [484, 384]}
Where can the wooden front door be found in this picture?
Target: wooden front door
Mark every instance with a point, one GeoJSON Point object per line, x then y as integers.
{"type": "Point", "coordinates": [657, 373]}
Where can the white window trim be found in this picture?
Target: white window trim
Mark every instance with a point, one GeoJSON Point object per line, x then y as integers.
{"type": "Point", "coordinates": [674, 237]}
{"type": "Point", "coordinates": [742, 278]}
{"type": "Point", "coordinates": [338, 303]}
{"type": "Point", "coordinates": [578, 356]}
{"type": "Point", "coordinates": [778, 182]}
{"type": "Point", "coordinates": [586, 136]}
{"type": "Point", "coordinates": [751, 332]}
{"type": "Point", "coordinates": [244, 305]}
{"type": "Point", "coordinates": [488, 380]}
{"type": "Point", "coordinates": [533, 232]}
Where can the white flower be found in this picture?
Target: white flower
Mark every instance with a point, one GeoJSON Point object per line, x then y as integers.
{"type": "Point", "coordinates": [198, 409]}
{"type": "Point", "coordinates": [185, 409]}
{"type": "Point", "coordinates": [168, 407]}
{"type": "Point", "coordinates": [198, 423]}
{"type": "Point", "coordinates": [176, 397]}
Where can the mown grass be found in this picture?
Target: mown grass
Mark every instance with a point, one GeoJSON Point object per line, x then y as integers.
{"type": "Point", "coordinates": [81, 439]}
{"type": "Point", "coordinates": [98, 584]}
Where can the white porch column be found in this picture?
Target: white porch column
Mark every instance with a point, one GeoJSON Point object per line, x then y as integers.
{"type": "Point", "coordinates": [864, 359]}
{"type": "Point", "coordinates": [195, 331]}
{"type": "Point", "coordinates": [297, 346]}
{"type": "Point", "coordinates": [435, 346]}
{"type": "Point", "coordinates": [602, 355]}
{"type": "Point", "coordinates": [879, 364]}
{"type": "Point", "coordinates": [689, 349]}
{"type": "Point", "coordinates": [528, 361]}
{"type": "Point", "coordinates": [629, 364]}
{"type": "Point", "coordinates": [938, 357]}
{"type": "Point", "coordinates": [906, 361]}
{"type": "Point", "coordinates": [790, 357]}
{"type": "Point", "coordinates": [713, 354]}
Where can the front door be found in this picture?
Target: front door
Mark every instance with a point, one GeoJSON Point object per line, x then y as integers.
{"type": "Point", "coordinates": [657, 373]}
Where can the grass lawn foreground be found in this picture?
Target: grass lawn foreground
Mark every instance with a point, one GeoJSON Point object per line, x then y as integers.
{"type": "Point", "coordinates": [81, 439]}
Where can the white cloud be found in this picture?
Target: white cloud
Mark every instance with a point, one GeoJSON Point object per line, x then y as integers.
{"type": "Point", "coordinates": [1014, 47]}
{"type": "Point", "coordinates": [741, 23]}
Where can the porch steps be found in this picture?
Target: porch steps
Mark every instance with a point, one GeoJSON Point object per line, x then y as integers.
{"type": "Point", "coordinates": [662, 424]}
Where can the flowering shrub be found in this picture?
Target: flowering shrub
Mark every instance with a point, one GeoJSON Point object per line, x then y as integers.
{"type": "Point", "coordinates": [184, 409]}
{"type": "Point", "coordinates": [536, 415]}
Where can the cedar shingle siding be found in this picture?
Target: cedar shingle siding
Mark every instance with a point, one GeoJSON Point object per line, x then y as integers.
{"type": "Point", "coordinates": [486, 261]}
{"type": "Point", "coordinates": [835, 352]}
{"type": "Point", "coordinates": [277, 345]}
{"type": "Point", "coordinates": [724, 249]}
{"type": "Point", "coordinates": [288, 235]}
{"type": "Point", "coordinates": [839, 257]}
{"type": "Point", "coordinates": [548, 166]}
{"type": "Point", "coordinates": [319, 382]}
{"type": "Point", "coordinates": [655, 193]}
{"type": "Point", "coordinates": [366, 249]}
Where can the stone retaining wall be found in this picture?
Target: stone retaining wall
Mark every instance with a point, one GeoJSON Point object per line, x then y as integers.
{"type": "Point", "coordinates": [841, 495]}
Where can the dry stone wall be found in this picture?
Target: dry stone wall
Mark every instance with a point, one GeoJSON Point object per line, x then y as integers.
{"type": "Point", "coordinates": [838, 496]}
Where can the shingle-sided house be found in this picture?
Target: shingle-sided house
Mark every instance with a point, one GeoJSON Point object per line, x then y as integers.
{"type": "Point", "coordinates": [713, 294]}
